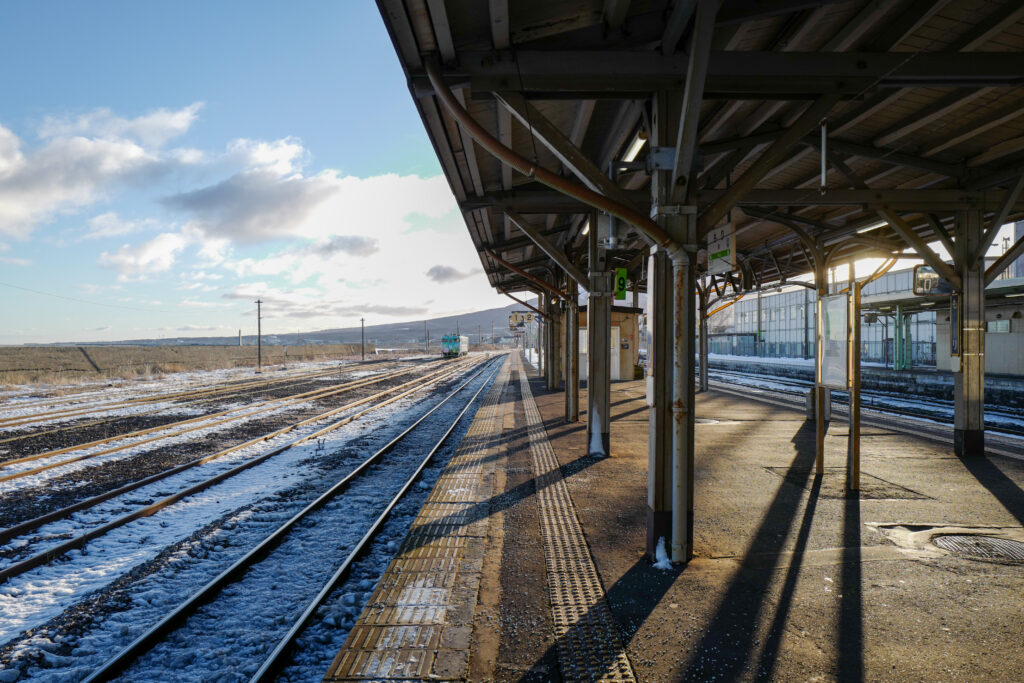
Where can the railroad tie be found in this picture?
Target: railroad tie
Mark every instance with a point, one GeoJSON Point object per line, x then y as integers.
{"type": "Point", "coordinates": [418, 622]}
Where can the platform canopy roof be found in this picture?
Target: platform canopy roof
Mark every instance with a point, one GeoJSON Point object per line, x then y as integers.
{"type": "Point", "coordinates": [922, 103]}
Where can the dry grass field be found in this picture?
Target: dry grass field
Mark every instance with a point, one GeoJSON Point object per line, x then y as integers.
{"type": "Point", "coordinates": [68, 364]}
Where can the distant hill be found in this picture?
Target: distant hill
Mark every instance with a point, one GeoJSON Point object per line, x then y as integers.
{"type": "Point", "coordinates": [410, 333]}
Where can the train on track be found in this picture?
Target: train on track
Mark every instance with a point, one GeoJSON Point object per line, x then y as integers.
{"type": "Point", "coordinates": [453, 345]}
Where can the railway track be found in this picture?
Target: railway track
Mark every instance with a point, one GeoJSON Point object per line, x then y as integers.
{"type": "Point", "coordinates": [83, 394]}
{"type": "Point", "coordinates": [47, 554]}
{"type": "Point", "coordinates": [1007, 444]}
{"type": "Point", "coordinates": [85, 426]}
{"type": "Point", "coordinates": [273, 549]}
{"type": "Point", "coordinates": [922, 408]}
{"type": "Point", "coordinates": [219, 391]}
{"type": "Point", "coordinates": [186, 426]}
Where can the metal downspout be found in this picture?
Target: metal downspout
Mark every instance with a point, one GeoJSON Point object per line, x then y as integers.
{"type": "Point", "coordinates": [507, 156]}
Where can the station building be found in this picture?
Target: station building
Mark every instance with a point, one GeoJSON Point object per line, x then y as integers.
{"type": "Point", "coordinates": [898, 329]}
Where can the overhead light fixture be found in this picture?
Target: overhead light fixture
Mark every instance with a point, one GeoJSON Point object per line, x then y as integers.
{"type": "Point", "coordinates": [1017, 294]}
{"type": "Point", "coordinates": [873, 226]}
{"type": "Point", "coordinates": [927, 303]}
{"type": "Point", "coordinates": [586, 228]}
{"type": "Point", "coordinates": [635, 147]}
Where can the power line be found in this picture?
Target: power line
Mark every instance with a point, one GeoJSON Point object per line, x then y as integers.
{"type": "Point", "coordinates": [84, 301]}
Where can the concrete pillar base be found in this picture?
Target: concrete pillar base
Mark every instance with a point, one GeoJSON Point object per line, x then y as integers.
{"type": "Point", "coordinates": [969, 443]}
{"type": "Point", "coordinates": [659, 525]}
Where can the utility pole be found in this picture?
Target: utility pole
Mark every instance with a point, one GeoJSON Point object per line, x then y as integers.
{"type": "Point", "coordinates": [492, 332]}
{"type": "Point", "coordinates": [457, 332]}
{"type": "Point", "coordinates": [362, 339]}
{"type": "Point", "coordinates": [426, 338]}
{"type": "Point", "coordinates": [259, 335]}
{"type": "Point", "coordinates": [479, 336]}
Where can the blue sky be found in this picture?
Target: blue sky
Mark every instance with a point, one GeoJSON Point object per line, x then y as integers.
{"type": "Point", "coordinates": [174, 161]}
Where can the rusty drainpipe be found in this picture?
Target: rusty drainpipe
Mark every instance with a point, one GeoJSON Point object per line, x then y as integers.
{"type": "Point", "coordinates": [532, 278]}
{"type": "Point", "coordinates": [531, 170]}
{"type": "Point", "coordinates": [523, 303]}
{"type": "Point", "coordinates": [682, 266]}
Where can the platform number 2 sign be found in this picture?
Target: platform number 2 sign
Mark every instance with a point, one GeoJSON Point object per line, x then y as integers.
{"type": "Point", "coordinates": [620, 283]}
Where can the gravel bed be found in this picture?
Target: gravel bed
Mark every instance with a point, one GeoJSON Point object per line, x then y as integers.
{"type": "Point", "coordinates": [60, 491]}
{"type": "Point", "coordinates": [70, 644]}
{"type": "Point", "coordinates": [27, 441]}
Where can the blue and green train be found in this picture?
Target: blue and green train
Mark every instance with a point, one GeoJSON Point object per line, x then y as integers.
{"type": "Point", "coordinates": [453, 345]}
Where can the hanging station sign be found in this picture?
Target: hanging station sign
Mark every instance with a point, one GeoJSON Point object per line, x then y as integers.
{"type": "Point", "coordinates": [834, 341]}
{"type": "Point", "coordinates": [721, 250]}
{"type": "Point", "coordinates": [519, 319]}
{"type": "Point", "coordinates": [621, 278]}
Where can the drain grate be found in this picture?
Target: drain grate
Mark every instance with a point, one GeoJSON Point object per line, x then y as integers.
{"type": "Point", "coordinates": [982, 547]}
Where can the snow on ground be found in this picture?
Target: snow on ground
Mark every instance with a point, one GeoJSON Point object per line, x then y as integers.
{"type": "Point", "coordinates": [271, 493]}
{"type": "Point", "coordinates": [936, 411]}
{"type": "Point", "coordinates": [44, 592]}
{"type": "Point", "coordinates": [42, 477]}
{"type": "Point", "coordinates": [29, 403]}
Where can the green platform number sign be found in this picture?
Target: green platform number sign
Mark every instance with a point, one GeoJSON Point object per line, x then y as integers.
{"type": "Point", "coordinates": [620, 283]}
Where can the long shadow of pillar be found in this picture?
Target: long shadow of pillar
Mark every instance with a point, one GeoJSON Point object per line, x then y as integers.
{"type": "Point", "coordinates": [851, 608]}
{"type": "Point", "coordinates": [1005, 490]}
{"type": "Point", "coordinates": [730, 637]}
{"type": "Point", "coordinates": [770, 652]}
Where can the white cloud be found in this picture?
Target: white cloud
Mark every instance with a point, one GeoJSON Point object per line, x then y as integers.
{"type": "Point", "coordinates": [81, 159]}
{"type": "Point", "coordinates": [154, 256]}
{"type": "Point", "coordinates": [280, 157]}
{"type": "Point", "coordinates": [151, 130]}
{"type": "Point", "coordinates": [109, 224]}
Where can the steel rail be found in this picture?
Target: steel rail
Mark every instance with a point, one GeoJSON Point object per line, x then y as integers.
{"type": "Point", "coordinates": [53, 553]}
{"type": "Point", "coordinates": [266, 406]}
{"type": "Point", "coordinates": [72, 412]}
{"type": "Point", "coordinates": [905, 424]}
{"type": "Point", "coordinates": [124, 659]}
{"type": "Point", "coordinates": [85, 408]}
{"type": "Point", "coordinates": [868, 400]}
{"type": "Point", "coordinates": [77, 396]}
{"type": "Point", "coordinates": [296, 380]}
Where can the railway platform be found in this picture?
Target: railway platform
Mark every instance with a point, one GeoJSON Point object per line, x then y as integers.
{"type": "Point", "coordinates": [528, 564]}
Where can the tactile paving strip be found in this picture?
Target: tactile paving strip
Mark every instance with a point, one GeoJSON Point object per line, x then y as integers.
{"type": "Point", "coordinates": [417, 624]}
{"type": "Point", "coordinates": [589, 647]}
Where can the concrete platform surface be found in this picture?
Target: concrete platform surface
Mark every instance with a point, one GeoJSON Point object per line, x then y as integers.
{"type": "Point", "coordinates": [793, 579]}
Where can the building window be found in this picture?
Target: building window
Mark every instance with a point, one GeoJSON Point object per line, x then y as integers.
{"type": "Point", "coordinates": [999, 326]}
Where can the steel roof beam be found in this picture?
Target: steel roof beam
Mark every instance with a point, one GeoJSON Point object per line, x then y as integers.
{"type": "Point", "coordinates": [561, 146]}
{"type": "Point", "coordinates": [545, 245]}
{"type": "Point", "coordinates": [693, 98]}
{"type": "Point", "coordinates": [543, 201]}
{"type": "Point", "coordinates": [889, 156]}
{"type": "Point", "coordinates": [498, 10]}
{"type": "Point", "coordinates": [923, 250]}
{"type": "Point", "coordinates": [442, 30]}
{"type": "Point", "coordinates": [764, 163]}
{"type": "Point", "coordinates": [1004, 261]}
{"type": "Point", "coordinates": [729, 73]}
{"type": "Point", "coordinates": [999, 218]}
{"type": "Point", "coordinates": [1001, 116]}
{"type": "Point", "coordinates": [919, 200]}
{"type": "Point", "coordinates": [682, 11]}
{"type": "Point", "coordinates": [615, 12]}
{"type": "Point", "coordinates": [940, 231]}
